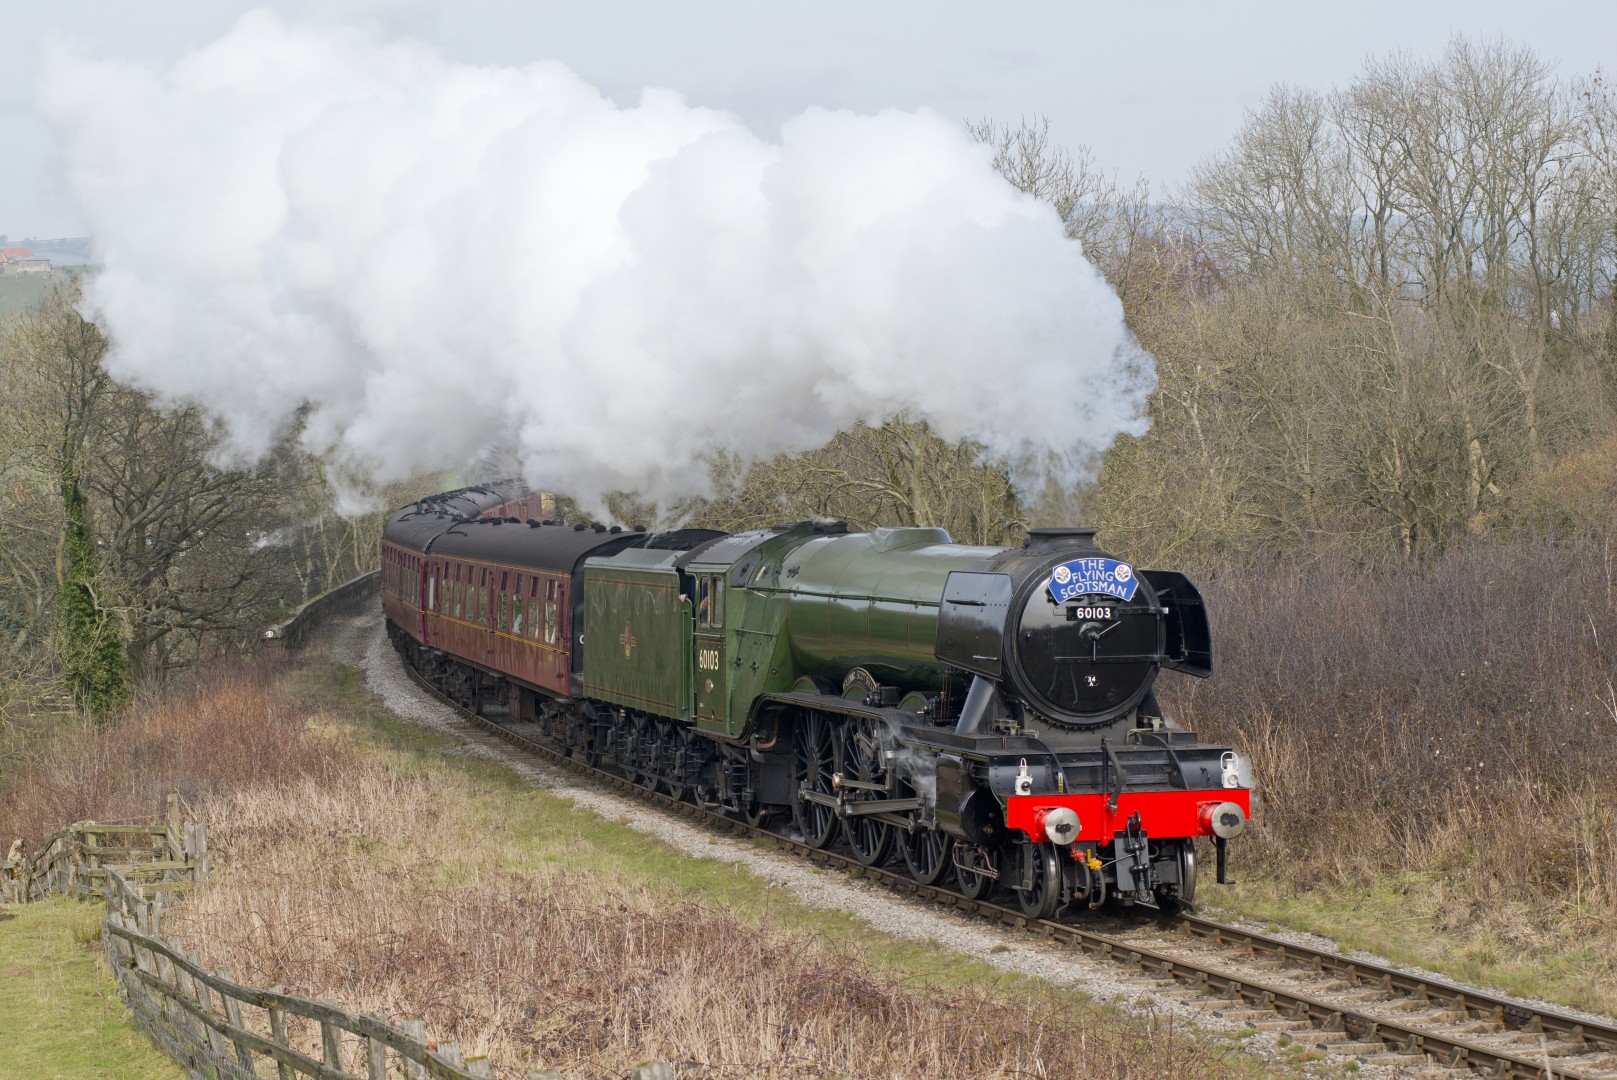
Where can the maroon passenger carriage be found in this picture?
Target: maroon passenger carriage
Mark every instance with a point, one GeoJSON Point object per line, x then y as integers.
{"type": "Point", "coordinates": [465, 579]}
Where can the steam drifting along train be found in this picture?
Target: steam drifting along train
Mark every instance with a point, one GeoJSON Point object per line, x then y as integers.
{"type": "Point", "coordinates": [985, 714]}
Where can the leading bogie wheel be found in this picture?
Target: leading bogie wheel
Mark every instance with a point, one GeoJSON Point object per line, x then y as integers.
{"type": "Point", "coordinates": [1172, 899]}
{"type": "Point", "coordinates": [1039, 868]}
{"type": "Point", "coordinates": [968, 860]}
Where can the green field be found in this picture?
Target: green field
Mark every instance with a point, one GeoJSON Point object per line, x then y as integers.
{"type": "Point", "coordinates": [59, 1013]}
{"type": "Point", "coordinates": [19, 292]}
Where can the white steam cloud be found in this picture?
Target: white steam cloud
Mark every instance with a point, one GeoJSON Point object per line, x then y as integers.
{"type": "Point", "coordinates": [436, 256]}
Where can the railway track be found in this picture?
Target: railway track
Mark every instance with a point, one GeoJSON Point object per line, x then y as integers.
{"type": "Point", "coordinates": [1321, 999]}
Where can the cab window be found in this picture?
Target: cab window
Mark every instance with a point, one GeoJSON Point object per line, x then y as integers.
{"type": "Point", "coordinates": [709, 602]}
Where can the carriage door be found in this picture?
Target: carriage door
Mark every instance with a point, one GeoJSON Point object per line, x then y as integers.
{"type": "Point", "coordinates": [712, 693]}
{"type": "Point", "coordinates": [419, 574]}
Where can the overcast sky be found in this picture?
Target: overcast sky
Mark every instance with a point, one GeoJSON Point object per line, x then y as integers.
{"type": "Point", "coordinates": [1151, 87]}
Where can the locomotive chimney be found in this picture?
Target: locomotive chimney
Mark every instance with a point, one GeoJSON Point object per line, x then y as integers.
{"type": "Point", "coordinates": [1083, 539]}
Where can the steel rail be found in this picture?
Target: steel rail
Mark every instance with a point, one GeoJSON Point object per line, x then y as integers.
{"type": "Point", "coordinates": [1390, 1036]}
{"type": "Point", "coordinates": [1597, 1034]}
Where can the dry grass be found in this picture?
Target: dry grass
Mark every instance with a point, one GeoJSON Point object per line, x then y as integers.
{"type": "Point", "coordinates": [227, 728]}
{"type": "Point", "coordinates": [1448, 727]}
{"type": "Point", "coordinates": [533, 932]}
{"type": "Point", "coordinates": [390, 892]}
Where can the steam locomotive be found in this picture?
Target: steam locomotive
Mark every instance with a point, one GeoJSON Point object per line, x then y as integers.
{"type": "Point", "coordinates": [986, 715]}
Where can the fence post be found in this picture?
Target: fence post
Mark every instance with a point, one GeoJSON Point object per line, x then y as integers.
{"type": "Point", "coordinates": [417, 1030]}
{"type": "Point", "coordinates": [233, 1014]}
{"type": "Point", "coordinates": [193, 990]}
{"type": "Point", "coordinates": [331, 1041]}
{"type": "Point", "coordinates": [204, 996]}
{"type": "Point", "coordinates": [375, 1060]}
{"type": "Point", "coordinates": [90, 861]}
{"type": "Point", "coordinates": [277, 1022]}
{"type": "Point", "coordinates": [112, 915]}
{"type": "Point", "coordinates": [172, 814]}
{"type": "Point", "coordinates": [196, 846]}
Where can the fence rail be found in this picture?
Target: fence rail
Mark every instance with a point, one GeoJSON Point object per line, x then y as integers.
{"type": "Point", "coordinates": [75, 860]}
{"type": "Point", "coordinates": [212, 1025]}
{"type": "Point", "coordinates": [295, 630]}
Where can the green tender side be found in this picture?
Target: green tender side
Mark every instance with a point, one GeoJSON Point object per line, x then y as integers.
{"type": "Point", "coordinates": [638, 650]}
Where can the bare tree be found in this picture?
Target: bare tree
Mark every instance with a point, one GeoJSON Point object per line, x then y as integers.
{"type": "Point", "coordinates": [1279, 199]}
{"type": "Point", "coordinates": [1597, 126]}
{"type": "Point", "coordinates": [158, 551]}
{"type": "Point", "coordinates": [900, 473]}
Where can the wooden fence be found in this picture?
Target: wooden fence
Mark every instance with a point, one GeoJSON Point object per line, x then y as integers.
{"type": "Point", "coordinates": [215, 1027]}
{"type": "Point", "coordinates": [163, 857]}
{"type": "Point", "coordinates": [292, 632]}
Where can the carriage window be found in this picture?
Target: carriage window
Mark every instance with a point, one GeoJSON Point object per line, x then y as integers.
{"type": "Point", "coordinates": [533, 588]}
{"type": "Point", "coordinates": [460, 597]}
{"type": "Point", "coordinates": [499, 613]}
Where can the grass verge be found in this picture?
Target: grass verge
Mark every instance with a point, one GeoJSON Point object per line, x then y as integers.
{"type": "Point", "coordinates": [1422, 919]}
{"type": "Point", "coordinates": [59, 1013]}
